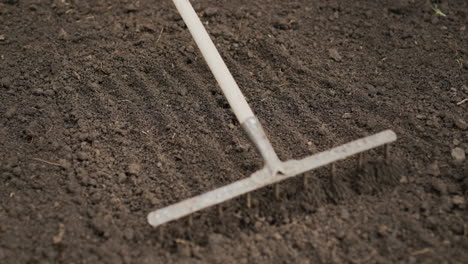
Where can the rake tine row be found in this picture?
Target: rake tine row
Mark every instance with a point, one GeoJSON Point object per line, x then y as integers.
{"type": "Point", "coordinates": [305, 182]}
{"type": "Point", "coordinates": [263, 178]}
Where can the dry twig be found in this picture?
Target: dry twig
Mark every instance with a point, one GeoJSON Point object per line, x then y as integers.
{"type": "Point", "coordinates": [48, 162]}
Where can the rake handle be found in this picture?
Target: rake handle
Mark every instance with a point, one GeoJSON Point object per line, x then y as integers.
{"type": "Point", "coordinates": [216, 64]}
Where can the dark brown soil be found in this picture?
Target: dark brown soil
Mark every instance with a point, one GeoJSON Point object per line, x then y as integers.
{"type": "Point", "coordinates": [108, 111]}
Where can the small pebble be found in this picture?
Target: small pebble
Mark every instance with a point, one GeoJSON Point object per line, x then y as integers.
{"type": "Point", "coordinates": [458, 154]}
{"type": "Point", "coordinates": [433, 169]}
{"type": "Point", "coordinates": [439, 186]}
{"type": "Point", "coordinates": [17, 171]}
{"type": "Point", "coordinates": [38, 91]}
{"type": "Point", "coordinates": [121, 177]}
{"type": "Point", "coordinates": [65, 164]}
{"type": "Point", "coordinates": [277, 236]}
{"type": "Point", "coordinates": [461, 124]}
{"type": "Point", "coordinates": [344, 213]}
{"type": "Point", "coordinates": [382, 229]}
{"type": "Point", "coordinates": [10, 112]}
{"type": "Point", "coordinates": [333, 53]}
{"type": "Point", "coordinates": [210, 11]}
{"type": "Point", "coordinates": [347, 115]}
{"type": "Point", "coordinates": [459, 201]}
{"type": "Point", "coordinates": [134, 168]}
{"type": "Point", "coordinates": [82, 156]}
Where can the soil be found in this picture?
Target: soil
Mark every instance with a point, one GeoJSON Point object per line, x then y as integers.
{"type": "Point", "coordinates": [108, 111]}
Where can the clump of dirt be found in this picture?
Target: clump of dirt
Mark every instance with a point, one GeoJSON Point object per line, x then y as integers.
{"type": "Point", "coordinates": [108, 111]}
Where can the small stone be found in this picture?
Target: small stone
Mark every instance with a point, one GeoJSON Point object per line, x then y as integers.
{"type": "Point", "coordinates": [333, 53]}
{"type": "Point", "coordinates": [83, 136]}
{"type": "Point", "coordinates": [433, 169]}
{"type": "Point", "coordinates": [134, 168]}
{"type": "Point", "coordinates": [344, 213]}
{"type": "Point", "coordinates": [5, 82]}
{"type": "Point", "coordinates": [340, 234]}
{"type": "Point", "coordinates": [458, 154]}
{"type": "Point", "coordinates": [258, 225]}
{"type": "Point", "coordinates": [370, 89]}
{"type": "Point", "coordinates": [2, 37]}
{"type": "Point", "coordinates": [10, 112]}
{"type": "Point", "coordinates": [121, 177]}
{"type": "Point", "coordinates": [277, 236]}
{"type": "Point", "coordinates": [154, 201]}
{"type": "Point", "coordinates": [439, 186]}
{"type": "Point", "coordinates": [73, 187]}
{"type": "Point", "coordinates": [17, 171]}
{"type": "Point", "coordinates": [346, 116]}
{"type": "Point", "coordinates": [464, 88]}
{"type": "Point", "coordinates": [131, 8]}
{"type": "Point", "coordinates": [57, 239]}
{"type": "Point", "coordinates": [210, 11]}
{"type": "Point", "coordinates": [459, 201]}
{"type": "Point", "coordinates": [382, 230]}
{"type": "Point", "coordinates": [456, 142]}
{"type": "Point", "coordinates": [281, 23]}
{"type": "Point", "coordinates": [82, 156]}
{"type": "Point", "coordinates": [461, 124]}
{"type": "Point", "coordinates": [63, 35]}
{"type": "Point", "coordinates": [159, 165]}
{"type": "Point", "coordinates": [38, 91]}
{"type": "Point", "coordinates": [65, 164]}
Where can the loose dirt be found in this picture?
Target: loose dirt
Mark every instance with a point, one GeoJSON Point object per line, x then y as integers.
{"type": "Point", "coordinates": [108, 111]}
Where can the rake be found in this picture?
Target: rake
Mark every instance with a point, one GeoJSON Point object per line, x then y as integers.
{"type": "Point", "coordinates": [274, 170]}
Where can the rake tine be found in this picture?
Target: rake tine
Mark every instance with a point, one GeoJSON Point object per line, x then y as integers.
{"type": "Point", "coordinates": [220, 211]}
{"type": "Point", "coordinates": [333, 171]}
{"type": "Point", "coordinates": [360, 162]}
{"type": "Point", "coordinates": [248, 200]}
{"type": "Point", "coordinates": [161, 233]}
{"type": "Point", "coordinates": [387, 153]}
{"type": "Point", "coordinates": [277, 191]}
{"type": "Point", "coordinates": [190, 220]}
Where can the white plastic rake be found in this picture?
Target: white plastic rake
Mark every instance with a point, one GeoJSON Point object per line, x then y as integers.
{"type": "Point", "coordinates": [274, 169]}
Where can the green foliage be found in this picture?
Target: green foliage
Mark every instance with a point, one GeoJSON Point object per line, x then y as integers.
{"type": "Point", "coordinates": [438, 11]}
